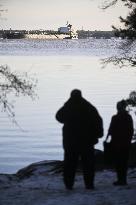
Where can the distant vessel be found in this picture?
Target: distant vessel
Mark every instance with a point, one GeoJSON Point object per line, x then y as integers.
{"type": "Point", "coordinates": [65, 32]}
{"type": "Point", "coordinates": [13, 34]}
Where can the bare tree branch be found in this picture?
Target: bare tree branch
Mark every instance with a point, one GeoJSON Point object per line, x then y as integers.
{"type": "Point", "coordinates": [106, 4]}
{"type": "Point", "coordinates": [17, 85]}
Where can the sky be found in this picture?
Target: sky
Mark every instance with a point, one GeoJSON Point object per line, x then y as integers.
{"type": "Point", "coordinates": [52, 14]}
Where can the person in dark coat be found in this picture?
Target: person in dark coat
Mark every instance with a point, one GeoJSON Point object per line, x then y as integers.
{"type": "Point", "coordinates": [121, 132]}
{"type": "Point", "coordinates": [82, 128]}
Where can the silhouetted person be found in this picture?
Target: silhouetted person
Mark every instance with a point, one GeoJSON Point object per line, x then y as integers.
{"type": "Point", "coordinates": [81, 130]}
{"type": "Point", "coordinates": [121, 132]}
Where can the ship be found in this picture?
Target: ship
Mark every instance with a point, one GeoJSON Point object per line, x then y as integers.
{"type": "Point", "coordinates": [13, 34]}
{"type": "Point", "coordinates": [65, 32]}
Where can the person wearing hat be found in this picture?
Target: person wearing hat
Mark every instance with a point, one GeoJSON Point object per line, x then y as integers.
{"type": "Point", "coordinates": [121, 132]}
{"type": "Point", "coordinates": [82, 128]}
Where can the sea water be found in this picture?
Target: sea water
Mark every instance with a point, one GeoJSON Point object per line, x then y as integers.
{"type": "Point", "coordinates": [58, 66]}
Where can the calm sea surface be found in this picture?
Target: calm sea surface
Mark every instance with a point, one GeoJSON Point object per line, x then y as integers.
{"type": "Point", "coordinates": [59, 66]}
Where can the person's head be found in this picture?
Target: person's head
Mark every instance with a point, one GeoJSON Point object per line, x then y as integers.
{"type": "Point", "coordinates": [75, 94]}
{"type": "Point", "coordinates": [121, 106]}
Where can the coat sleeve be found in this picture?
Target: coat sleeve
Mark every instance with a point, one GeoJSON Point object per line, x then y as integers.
{"type": "Point", "coordinates": [96, 124]}
{"type": "Point", "coordinates": [111, 126]}
{"type": "Point", "coordinates": [131, 131]}
{"type": "Point", "coordinates": [100, 126]}
{"type": "Point", "coordinates": [60, 115]}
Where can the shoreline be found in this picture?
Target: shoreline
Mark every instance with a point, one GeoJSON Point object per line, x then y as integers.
{"type": "Point", "coordinates": [42, 183]}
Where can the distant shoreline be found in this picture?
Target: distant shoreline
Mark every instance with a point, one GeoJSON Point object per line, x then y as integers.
{"type": "Point", "coordinates": [51, 34]}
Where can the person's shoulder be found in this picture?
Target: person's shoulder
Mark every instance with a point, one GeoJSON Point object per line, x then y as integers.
{"type": "Point", "coordinates": [88, 103]}
{"type": "Point", "coordinates": [114, 116]}
{"type": "Point", "coordinates": [68, 102]}
{"type": "Point", "coordinates": [123, 115]}
{"type": "Point", "coordinates": [129, 116]}
{"type": "Point", "coordinates": [126, 114]}
{"type": "Point", "coordinates": [90, 106]}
